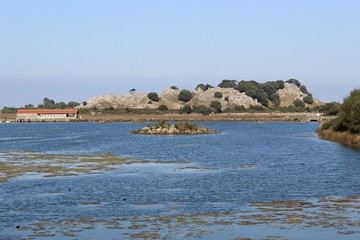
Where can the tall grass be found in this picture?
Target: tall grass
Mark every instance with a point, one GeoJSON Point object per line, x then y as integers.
{"type": "Point", "coordinates": [346, 138]}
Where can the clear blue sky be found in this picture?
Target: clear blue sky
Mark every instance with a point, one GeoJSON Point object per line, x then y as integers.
{"type": "Point", "coordinates": [72, 50]}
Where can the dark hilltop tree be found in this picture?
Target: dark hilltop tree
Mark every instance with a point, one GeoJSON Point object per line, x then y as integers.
{"type": "Point", "coordinates": [228, 84]}
{"type": "Point", "coordinates": [294, 81]}
{"type": "Point", "coordinates": [204, 87]}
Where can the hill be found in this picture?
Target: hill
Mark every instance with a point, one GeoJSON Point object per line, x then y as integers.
{"type": "Point", "coordinates": [229, 93]}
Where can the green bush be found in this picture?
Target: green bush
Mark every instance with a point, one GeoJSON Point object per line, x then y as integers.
{"type": "Point", "coordinates": [186, 109]}
{"type": "Point", "coordinates": [239, 109]}
{"type": "Point", "coordinates": [331, 109]}
{"type": "Point", "coordinates": [174, 88]}
{"type": "Point", "coordinates": [226, 99]}
{"type": "Point", "coordinates": [204, 87]}
{"type": "Point", "coordinates": [350, 112]}
{"type": "Point", "coordinates": [304, 89]}
{"type": "Point", "coordinates": [163, 108]}
{"type": "Point", "coordinates": [294, 81]}
{"type": "Point", "coordinates": [298, 103]}
{"type": "Point", "coordinates": [275, 99]}
{"type": "Point", "coordinates": [216, 106]}
{"type": "Point", "coordinates": [228, 84]}
{"type": "Point", "coordinates": [308, 100]}
{"type": "Point", "coordinates": [185, 95]}
{"type": "Point", "coordinates": [8, 110]}
{"type": "Point", "coordinates": [204, 110]}
{"type": "Point", "coordinates": [153, 96]}
{"type": "Point", "coordinates": [218, 95]}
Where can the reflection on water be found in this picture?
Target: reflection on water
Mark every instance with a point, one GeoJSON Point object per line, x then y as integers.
{"type": "Point", "coordinates": [173, 180]}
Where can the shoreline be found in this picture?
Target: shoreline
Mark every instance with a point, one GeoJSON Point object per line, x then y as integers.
{"type": "Point", "coordinates": [345, 138]}
{"type": "Point", "coordinates": [173, 117]}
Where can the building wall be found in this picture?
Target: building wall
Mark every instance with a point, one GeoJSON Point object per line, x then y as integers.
{"type": "Point", "coordinates": [45, 117]}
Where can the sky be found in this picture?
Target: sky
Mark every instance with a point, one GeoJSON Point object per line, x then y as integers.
{"type": "Point", "coordinates": [73, 50]}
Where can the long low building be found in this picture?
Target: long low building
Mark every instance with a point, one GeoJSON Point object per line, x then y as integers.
{"type": "Point", "coordinates": [44, 115]}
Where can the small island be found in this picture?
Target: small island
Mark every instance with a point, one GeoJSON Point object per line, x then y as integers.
{"type": "Point", "coordinates": [164, 128]}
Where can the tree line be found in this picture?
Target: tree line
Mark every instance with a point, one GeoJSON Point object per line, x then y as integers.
{"type": "Point", "coordinates": [46, 104]}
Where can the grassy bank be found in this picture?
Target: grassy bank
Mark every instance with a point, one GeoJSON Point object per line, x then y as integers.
{"type": "Point", "coordinates": [262, 117]}
{"type": "Point", "coordinates": [341, 137]}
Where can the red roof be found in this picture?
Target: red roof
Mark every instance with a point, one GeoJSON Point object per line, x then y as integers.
{"type": "Point", "coordinates": [48, 111]}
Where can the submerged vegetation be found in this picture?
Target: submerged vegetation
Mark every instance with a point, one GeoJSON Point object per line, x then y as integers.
{"type": "Point", "coordinates": [164, 128]}
{"type": "Point", "coordinates": [321, 213]}
{"type": "Point", "coordinates": [346, 127]}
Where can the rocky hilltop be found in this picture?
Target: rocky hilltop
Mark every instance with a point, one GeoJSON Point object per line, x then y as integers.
{"type": "Point", "coordinates": [229, 93]}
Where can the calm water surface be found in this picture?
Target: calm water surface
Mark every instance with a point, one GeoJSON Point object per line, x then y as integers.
{"type": "Point", "coordinates": [247, 162]}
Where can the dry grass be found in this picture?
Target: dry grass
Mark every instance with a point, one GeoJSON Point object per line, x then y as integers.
{"type": "Point", "coordinates": [341, 137]}
{"type": "Point", "coordinates": [197, 117]}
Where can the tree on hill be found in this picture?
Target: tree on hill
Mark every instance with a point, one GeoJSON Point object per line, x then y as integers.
{"type": "Point", "coordinates": [174, 88]}
{"type": "Point", "coordinates": [228, 84]}
{"type": "Point", "coordinates": [294, 81]}
{"type": "Point", "coordinates": [163, 108]}
{"type": "Point", "coordinates": [298, 103]}
{"type": "Point", "coordinates": [216, 106]}
{"type": "Point", "coordinates": [308, 100]}
{"type": "Point", "coordinates": [153, 96]}
{"type": "Point", "coordinates": [204, 110]}
{"type": "Point", "coordinates": [218, 95]}
{"type": "Point", "coordinates": [275, 99]}
{"type": "Point", "coordinates": [185, 95]}
{"type": "Point", "coordinates": [186, 109]}
{"type": "Point", "coordinates": [204, 87]}
{"type": "Point", "coordinates": [8, 110]}
{"type": "Point", "coordinates": [304, 89]}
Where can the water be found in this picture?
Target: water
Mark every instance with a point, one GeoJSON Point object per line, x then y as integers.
{"type": "Point", "coordinates": [247, 162]}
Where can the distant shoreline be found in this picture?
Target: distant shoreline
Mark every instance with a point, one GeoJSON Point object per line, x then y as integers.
{"type": "Point", "coordinates": [253, 117]}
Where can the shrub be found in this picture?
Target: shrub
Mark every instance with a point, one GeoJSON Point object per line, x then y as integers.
{"type": "Point", "coordinates": [350, 112]}
{"type": "Point", "coordinates": [218, 95]}
{"type": "Point", "coordinates": [204, 87]}
{"type": "Point", "coordinates": [298, 103]}
{"type": "Point", "coordinates": [330, 108]}
{"type": "Point", "coordinates": [244, 86]}
{"type": "Point", "coordinates": [303, 89]}
{"type": "Point", "coordinates": [216, 106]}
{"type": "Point", "coordinates": [204, 110]}
{"type": "Point", "coordinates": [163, 108]}
{"type": "Point", "coordinates": [294, 81]}
{"type": "Point", "coordinates": [308, 100]}
{"type": "Point", "coordinates": [239, 109]}
{"type": "Point", "coordinates": [256, 109]}
{"type": "Point", "coordinates": [185, 95]}
{"type": "Point", "coordinates": [186, 109]}
{"type": "Point", "coordinates": [8, 110]}
{"type": "Point", "coordinates": [275, 98]}
{"type": "Point", "coordinates": [174, 88]}
{"type": "Point", "coordinates": [226, 99]}
{"type": "Point", "coordinates": [228, 84]}
{"type": "Point", "coordinates": [268, 88]}
{"type": "Point", "coordinates": [153, 96]}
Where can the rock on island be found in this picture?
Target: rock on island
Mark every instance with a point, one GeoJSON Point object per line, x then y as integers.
{"type": "Point", "coordinates": [164, 128]}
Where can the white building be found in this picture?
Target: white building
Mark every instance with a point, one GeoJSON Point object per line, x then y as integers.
{"type": "Point", "coordinates": [43, 115]}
